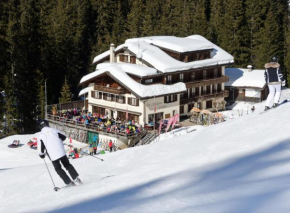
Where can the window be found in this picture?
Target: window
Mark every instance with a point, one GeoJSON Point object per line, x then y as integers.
{"type": "Point", "coordinates": [204, 74]}
{"type": "Point", "coordinates": [197, 56]}
{"type": "Point", "coordinates": [170, 98]}
{"type": "Point", "coordinates": [197, 91]}
{"type": "Point", "coordinates": [133, 101]}
{"type": "Point", "coordinates": [120, 99]}
{"type": "Point", "coordinates": [96, 95]}
{"type": "Point", "coordinates": [181, 77]}
{"type": "Point", "coordinates": [214, 88]}
{"type": "Point", "coordinates": [109, 97]}
{"type": "Point", "coordinates": [181, 96]}
{"type": "Point", "coordinates": [204, 89]}
{"type": "Point", "coordinates": [126, 58]}
{"type": "Point", "coordinates": [148, 81]}
{"type": "Point", "coordinates": [193, 76]}
{"type": "Point", "coordinates": [169, 79]}
{"type": "Point", "coordinates": [199, 105]}
{"type": "Point", "coordinates": [219, 87]}
{"type": "Point", "coordinates": [189, 108]}
{"type": "Point", "coordinates": [215, 72]}
{"type": "Point", "coordinates": [181, 109]}
{"type": "Point", "coordinates": [173, 112]}
{"type": "Point", "coordinates": [209, 104]}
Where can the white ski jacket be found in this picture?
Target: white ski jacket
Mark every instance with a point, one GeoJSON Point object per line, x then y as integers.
{"type": "Point", "coordinates": [50, 139]}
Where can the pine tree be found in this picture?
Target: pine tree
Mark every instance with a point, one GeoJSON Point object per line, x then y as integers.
{"type": "Point", "coordinates": [152, 14]}
{"type": "Point", "coordinates": [269, 43]}
{"type": "Point", "coordinates": [65, 93]}
{"type": "Point", "coordinates": [104, 16]}
{"type": "Point", "coordinates": [135, 19]}
{"type": "Point", "coordinates": [199, 17]}
{"type": "Point", "coordinates": [40, 107]}
{"type": "Point", "coordinates": [233, 35]}
{"type": "Point", "coordinates": [118, 27]}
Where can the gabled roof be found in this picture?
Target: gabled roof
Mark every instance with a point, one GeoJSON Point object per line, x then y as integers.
{"type": "Point", "coordinates": [118, 71]}
{"type": "Point", "coordinates": [134, 69]}
{"type": "Point", "coordinates": [147, 49]}
{"type": "Point", "coordinates": [84, 91]}
{"type": "Point", "coordinates": [239, 77]}
{"type": "Point", "coordinates": [107, 54]}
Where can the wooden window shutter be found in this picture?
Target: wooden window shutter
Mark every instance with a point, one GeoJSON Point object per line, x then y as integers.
{"type": "Point", "coordinates": [105, 96]}
{"type": "Point", "coordinates": [133, 59]}
{"type": "Point", "coordinates": [100, 95]}
{"type": "Point", "coordinates": [130, 101]}
{"type": "Point", "coordinates": [124, 100]}
{"type": "Point", "coordinates": [93, 94]}
{"type": "Point", "coordinates": [175, 97]}
{"type": "Point", "coordinates": [121, 57]}
{"type": "Point", "coordinates": [165, 99]}
{"type": "Point", "coordinates": [137, 102]}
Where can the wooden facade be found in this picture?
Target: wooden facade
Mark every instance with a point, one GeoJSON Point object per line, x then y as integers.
{"type": "Point", "coordinates": [239, 94]}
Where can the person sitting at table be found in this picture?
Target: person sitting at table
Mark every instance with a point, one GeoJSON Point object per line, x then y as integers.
{"type": "Point", "coordinates": [122, 127]}
{"type": "Point", "coordinates": [133, 128]}
{"type": "Point", "coordinates": [127, 131]}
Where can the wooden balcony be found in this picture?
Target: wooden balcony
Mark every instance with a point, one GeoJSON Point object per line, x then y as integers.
{"type": "Point", "coordinates": [206, 97]}
{"type": "Point", "coordinates": [206, 82]}
{"type": "Point", "coordinates": [108, 89]}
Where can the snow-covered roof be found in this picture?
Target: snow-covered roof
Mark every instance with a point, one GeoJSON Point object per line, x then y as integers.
{"type": "Point", "coordinates": [145, 49]}
{"type": "Point", "coordinates": [118, 71]}
{"type": "Point", "coordinates": [134, 69]}
{"type": "Point", "coordinates": [106, 54]}
{"type": "Point", "coordinates": [243, 78]}
{"type": "Point", "coordinates": [84, 91]}
{"type": "Point", "coordinates": [177, 44]}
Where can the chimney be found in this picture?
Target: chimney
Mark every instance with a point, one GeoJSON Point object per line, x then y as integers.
{"type": "Point", "coordinates": [112, 53]}
{"type": "Point", "coordinates": [250, 68]}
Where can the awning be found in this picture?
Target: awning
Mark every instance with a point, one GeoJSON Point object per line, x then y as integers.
{"type": "Point", "coordinates": [194, 109]}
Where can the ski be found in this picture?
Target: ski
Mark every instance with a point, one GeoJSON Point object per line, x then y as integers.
{"type": "Point", "coordinates": [75, 183]}
{"type": "Point", "coordinates": [283, 102]}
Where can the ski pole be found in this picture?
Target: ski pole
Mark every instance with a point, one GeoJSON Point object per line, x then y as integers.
{"type": "Point", "coordinates": [55, 188]}
{"type": "Point", "coordinates": [91, 155]}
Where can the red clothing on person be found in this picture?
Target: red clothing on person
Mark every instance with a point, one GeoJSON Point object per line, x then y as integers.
{"type": "Point", "coordinates": [110, 144]}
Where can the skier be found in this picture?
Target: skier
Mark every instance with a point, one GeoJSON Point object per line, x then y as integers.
{"type": "Point", "coordinates": [50, 143]}
{"type": "Point", "coordinates": [111, 145]}
{"type": "Point", "coordinates": [95, 145]}
{"type": "Point", "coordinates": [274, 78]}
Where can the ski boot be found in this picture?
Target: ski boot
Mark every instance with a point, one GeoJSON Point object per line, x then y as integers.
{"type": "Point", "coordinates": [78, 181]}
{"type": "Point", "coordinates": [72, 183]}
{"type": "Point", "coordinates": [267, 108]}
{"type": "Point", "coordinates": [275, 105]}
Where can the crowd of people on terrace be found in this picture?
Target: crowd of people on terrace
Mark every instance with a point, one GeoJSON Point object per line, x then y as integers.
{"type": "Point", "coordinates": [99, 122]}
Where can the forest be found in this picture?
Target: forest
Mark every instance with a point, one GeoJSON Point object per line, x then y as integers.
{"type": "Point", "coordinates": [53, 42]}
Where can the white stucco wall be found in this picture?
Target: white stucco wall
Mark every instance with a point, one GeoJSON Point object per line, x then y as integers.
{"type": "Point", "coordinates": [166, 108]}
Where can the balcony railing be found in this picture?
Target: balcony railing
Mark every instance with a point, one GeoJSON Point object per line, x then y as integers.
{"type": "Point", "coordinates": [208, 81]}
{"type": "Point", "coordinates": [206, 97]}
{"type": "Point", "coordinates": [110, 89]}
